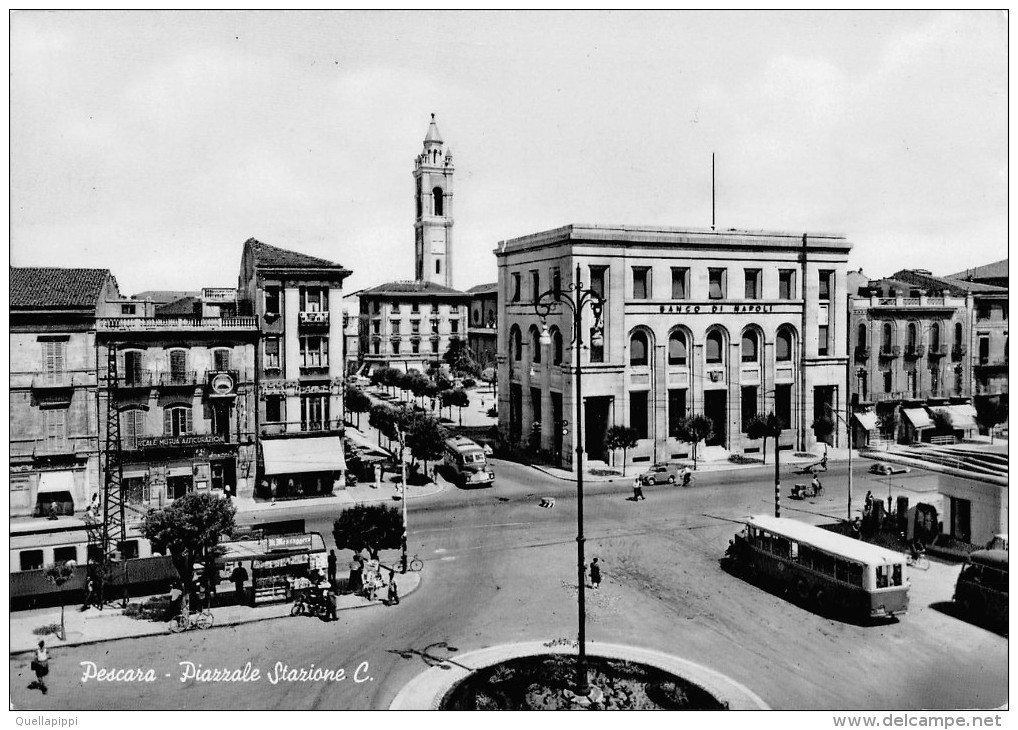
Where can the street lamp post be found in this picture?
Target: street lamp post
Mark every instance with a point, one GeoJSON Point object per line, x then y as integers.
{"type": "Point", "coordinates": [576, 297]}
{"type": "Point", "coordinates": [848, 431]}
{"type": "Point", "coordinates": [402, 460]}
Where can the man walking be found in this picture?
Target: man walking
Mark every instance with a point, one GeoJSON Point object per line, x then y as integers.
{"type": "Point", "coordinates": [637, 490]}
{"type": "Point", "coordinates": [239, 576]}
{"type": "Point", "coordinates": [332, 566]}
{"type": "Point", "coordinates": [40, 665]}
{"type": "Point", "coordinates": [393, 589]}
{"type": "Point", "coordinates": [330, 602]}
{"type": "Point", "coordinates": [595, 574]}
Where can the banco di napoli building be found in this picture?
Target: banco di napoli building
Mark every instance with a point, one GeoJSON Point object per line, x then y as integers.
{"type": "Point", "coordinates": [727, 324]}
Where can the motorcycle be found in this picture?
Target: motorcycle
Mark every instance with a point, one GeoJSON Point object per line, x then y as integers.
{"type": "Point", "coordinates": [806, 491]}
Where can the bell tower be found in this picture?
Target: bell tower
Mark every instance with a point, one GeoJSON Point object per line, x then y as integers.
{"type": "Point", "coordinates": [433, 206]}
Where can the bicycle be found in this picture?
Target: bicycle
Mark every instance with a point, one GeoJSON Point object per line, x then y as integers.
{"type": "Point", "coordinates": [415, 564]}
{"type": "Point", "coordinates": [198, 620]}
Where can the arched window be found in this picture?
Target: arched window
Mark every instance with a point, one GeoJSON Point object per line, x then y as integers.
{"type": "Point", "coordinates": [556, 346]}
{"type": "Point", "coordinates": [957, 334]}
{"type": "Point", "coordinates": [783, 346]}
{"type": "Point", "coordinates": [715, 346]}
{"type": "Point", "coordinates": [935, 337]}
{"type": "Point", "coordinates": [862, 336]}
{"type": "Point", "coordinates": [535, 345]}
{"type": "Point", "coordinates": [439, 201]}
{"type": "Point", "coordinates": [912, 334]}
{"type": "Point", "coordinates": [750, 346]}
{"type": "Point", "coordinates": [638, 349]}
{"type": "Point", "coordinates": [516, 342]}
{"type": "Point", "coordinates": [677, 349]}
{"type": "Point", "coordinates": [888, 341]}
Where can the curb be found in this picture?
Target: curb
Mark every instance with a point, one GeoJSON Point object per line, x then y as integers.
{"type": "Point", "coordinates": [236, 622]}
{"type": "Point", "coordinates": [283, 507]}
{"type": "Point", "coordinates": [426, 690]}
{"type": "Point", "coordinates": [897, 458]}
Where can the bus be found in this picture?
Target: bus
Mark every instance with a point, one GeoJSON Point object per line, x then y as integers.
{"type": "Point", "coordinates": [831, 572]}
{"type": "Point", "coordinates": [981, 590]}
{"type": "Point", "coordinates": [467, 463]}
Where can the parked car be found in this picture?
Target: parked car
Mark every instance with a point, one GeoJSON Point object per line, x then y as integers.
{"type": "Point", "coordinates": [886, 469]}
{"type": "Point", "coordinates": [661, 473]}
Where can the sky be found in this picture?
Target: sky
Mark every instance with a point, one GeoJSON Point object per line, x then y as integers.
{"type": "Point", "coordinates": [155, 143]}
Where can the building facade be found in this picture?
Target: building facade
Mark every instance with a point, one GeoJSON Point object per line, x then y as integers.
{"type": "Point", "coordinates": [482, 329]}
{"type": "Point", "coordinates": [296, 300]}
{"type": "Point", "coordinates": [54, 444]}
{"type": "Point", "coordinates": [908, 349]}
{"type": "Point", "coordinates": [727, 325]}
{"type": "Point", "coordinates": [184, 392]}
{"type": "Point", "coordinates": [410, 324]}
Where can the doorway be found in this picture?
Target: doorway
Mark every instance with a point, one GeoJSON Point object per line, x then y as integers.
{"type": "Point", "coordinates": [595, 426]}
{"type": "Point", "coordinates": [715, 408]}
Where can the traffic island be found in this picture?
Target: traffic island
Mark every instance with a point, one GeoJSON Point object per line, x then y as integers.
{"type": "Point", "coordinates": [536, 675]}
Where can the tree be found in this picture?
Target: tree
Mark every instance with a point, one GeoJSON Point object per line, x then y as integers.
{"type": "Point", "coordinates": [761, 427]}
{"type": "Point", "coordinates": [426, 439]}
{"type": "Point", "coordinates": [417, 383]}
{"type": "Point", "coordinates": [823, 427]}
{"type": "Point", "coordinates": [58, 574]}
{"type": "Point", "coordinates": [445, 398]}
{"type": "Point", "coordinates": [990, 412]}
{"type": "Point", "coordinates": [460, 399]}
{"type": "Point", "coordinates": [942, 421]}
{"type": "Point", "coordinates": [694, 429]}
{"type": "Point", "coordinates": [190, 530]}
{"type": "Point", "coordinates": [621, 437]}
{"type": "Point", "coordinates": [357, 402]}
{"type": "Point", "coordinates": [461, 359]}
{"type": "Point", "coordinates": [374, 526]}
{"type": "Point", "coordinates": [381, 418]}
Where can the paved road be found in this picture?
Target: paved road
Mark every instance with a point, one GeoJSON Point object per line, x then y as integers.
{"type": "Point", "coordinates": [499, 569]}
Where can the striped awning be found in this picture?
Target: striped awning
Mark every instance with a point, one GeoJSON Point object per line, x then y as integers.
{"type": "Point", "coordinates": [918, 417]}
{"type": "Point", "coordinates": [299, 456]}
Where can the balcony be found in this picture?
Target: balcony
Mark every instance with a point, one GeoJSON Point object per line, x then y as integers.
{"type": "Point", "coordinates": [936, 352]}
{"type": "Point", "coordinates": [54, 380]}
{"type": "Point", "coordinates": [176, 324]}
{"type": "Point", "coordinates": [308, 371]}
{"type": "Point", "coordinates": [958, 352]}
{"type": "Point", "coordinates": [913, 353]}
{"type": "Point", "coordinates": [312, 320]}
{"type": "Point", "coordinates": [988, 365]}
{"type": "Point", "coordinates": [180, 379]}
{"type": "Point", "coordinates": [891, 353]}
{"type": "Point", "coordinates": [279, 428]}
{"type": "Point", "coordinates": [137, 380]}
{"type": "Point", "coordinates": [862, 354]}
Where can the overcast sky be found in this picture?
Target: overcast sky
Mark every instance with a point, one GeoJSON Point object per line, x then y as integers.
{"type": "Point", "coordinates": [155, 144]}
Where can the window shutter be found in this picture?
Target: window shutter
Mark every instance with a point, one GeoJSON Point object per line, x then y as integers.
{"type": "Point", "coordinates": [167, 421]}
{"type": "Point", "coordinates": [325, 351]}
{"type": "Point", "coordinates": [188, 426]}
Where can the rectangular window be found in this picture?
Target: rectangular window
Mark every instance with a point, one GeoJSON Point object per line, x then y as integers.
{"type": "Point", "coordinates": [717, 284]}
{"type": "Point", "coordinates": [271, 353]}
{"type": "Point", "coordinates": [638, 412]}
{"type": "Point", "coordinates": [314, 413]}
{"type": "Point", "coordinates": [783, 403]}
{"type": "Point", "coordinates": [514, 295]}
{"type": "Point", "coordinates": [221, 359]}
{"type": "Point", "coordinates": [177, 421]}
{"type": "Point", "coordinates": [376, 307]}
{"type": "Point", "coordinates": [434, 309]}
{"type": "Point", "coordinates": [56, 429]}
{"type": "Point", "coordinates": [377, 347]}
{"type": "Point", "coordinates": [748, 404]}
{"type": "Point", "coordinates": [54, 357]}
{"type": "Point", "coordinates": [822, 339]}
{"type": "Point", "coordinates": [415, 346]}
{"type": "Point", "coordinates": [395, 307]}
{"type": "Point", "coordinates": [556, 281]}
{"type": "Point", "coordinates": [676, 409]}
{"type": "Point", "coordinates": [535, 285]}
{"type": "Point", "coordinates": [314, 352]}
{"type": "Point", "coordinates": [376, 327]}
{"type": "Point", "coordinates": [394, 327]}
{"type": "Point", "coordinates": [434, 326]}
{"type": "Point", "coordinates": [786, 284]}
{"type": "Point", "coordinates": [65, 553]}
{"type": "Point", "coordinates": [274, 408]}
{"type": "Point", "coordinates": [434, 345]}
{"type": "Point", "coordinates": [753, 283]}
{"type": "Point", "coordinates": [888, 381]}
{"type": "Point", "coordinates": [394, 346]}
{"type": "Point", "coordinates": [133, 428]}
{"type": "Point", "coordinates": [272, 300]}
{"type": "Point", "coordinates": [597, 279]}
{"type": "Point", "coordinates": [680, 282]}
{"type": "Point", "coordinates": [984, 349]}
{"type": "Point", "coordinates": [132, 367]}
{"type": "Point", "coordinates": [826, 285]}
{"type": "Point", "coordinates": [178, 366]}
{"type": "Point", "coordinates": [415, 327]}
{"type": "Point", "coordinates": [641, 282]}
{"type": "Point", "coordinates": [415, 307]}
{"type": "Point", "coordinates": [314, 299]}
{"type": "Point", "coordinates": [31, 559]}
{"type": "Point", "coordinates": [983, 311]}
{"type": "Point", "coordinates": [127, 309]}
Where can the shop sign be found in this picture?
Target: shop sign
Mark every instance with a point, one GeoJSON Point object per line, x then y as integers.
{"type": "Point", "coordinates": [293, 387]}
{"type": "Point", "coordinates": [716, 308]}
{"type": "Point", "coordinates": [288, 542]}
{"type": "Point", "coordinates": [222, 383]}
{"type": "Point", "coordinates": [161, 442]}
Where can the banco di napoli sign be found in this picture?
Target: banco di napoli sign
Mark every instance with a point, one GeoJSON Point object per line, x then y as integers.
{"type": "Point", "coordinates": [715, 308]}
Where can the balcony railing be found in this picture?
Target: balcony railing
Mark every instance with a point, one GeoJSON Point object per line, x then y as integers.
{"type": "Point", "coordinates": [181, 378]}
{"type": "Point", "coordinates": [958, 352]}
{"type": "Point", "coordinates": [61, 379]}
{"type": "Point", "coordinates": [890, 353]}
{"type": "Point", "coordinates": [911, 353]}
{"type": "Point", "coordinates": [277, 428]}
{"type": "Point", "coordinates": [936, 351]}
{"type": "Point", "coordinates": [162, 324]}
{"type": "Point", "coordinates": [862, 353]}
{"type": "Point", "coordinates": [313, 319]}
{"type": "Point", "coordinates": [52, 447]}
{"type": "Point", "coordinates": [995, 364]}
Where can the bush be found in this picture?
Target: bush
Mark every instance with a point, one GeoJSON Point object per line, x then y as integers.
{"type": "Point", "coordinates": [469, 382]}
{"type": "Point", "coordinates": [740, 459]}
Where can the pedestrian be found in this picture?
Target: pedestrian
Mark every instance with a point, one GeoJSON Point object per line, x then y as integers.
{"type": "Point", "coordinates": [40, 665]}
{"type": "Point", "coordinates": [176, 601]}
{"type": "Point", "coordinates": [595, 574]}
{"type": "Point", "coordinates": [857, 528]}
{"type": "Point", "coordinates": [239, 577]}
{"type": "Point", "coordinates": [356, 568]}
{"type": "Point", "coordinates": [89, 593]}
{"type": "Point", "coordinates": [52, 511]}
{"type": "Point", "coordinates": [637, 490]}
{"type": "Point", "coordinates": [331, 599]}
{"type": "Point", "coordinates": [378, 475]}
{"type": "Point", "coordinates": [393, 589]}
{"type": "Point", "coordinates": [868, 505]}
{"type": "Point", "coordinates": [273, 485]}
{"type": "Point", "coordinates": [332, 566]}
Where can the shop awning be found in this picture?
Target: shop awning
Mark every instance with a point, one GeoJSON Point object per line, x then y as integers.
{"type": "Point", "coordinates": [866, 419]}
{"type": "Point", "coordinates": [918, 417]}
{"type": "Point", "coordinates": [962, 417]}
{"type": "Point", "coordinates": [56, 481]}
{"type": "Point", "coordinates": [298, 456]}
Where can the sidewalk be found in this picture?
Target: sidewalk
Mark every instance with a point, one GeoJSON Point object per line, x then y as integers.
{"type": "Point", "coordinates": [388, 492]}
{"type": "Point", "coordinates": [93, 626]}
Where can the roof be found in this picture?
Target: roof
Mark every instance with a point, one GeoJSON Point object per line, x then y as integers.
{"type": "Point", "coordinates": [163, 296]}
{"type": "Point", "coordinates": [433, 134]}
{"type": "Point", "coordinates": [843, 545]}
{"type": "Point", "coordinates": [996, 270]}
{"type": "Point", "coordinates": [183, 307]}
{"type": "Point", "coordinates": [484, 289]}
{"type": "Point", "coordinates": [412, 288]}
{"type": "Point", "coordinates": [957, 287]}
{"type": "Point", "coordinates": [52, 288]}
{"type": "Point", "coordinates": [274, 257]}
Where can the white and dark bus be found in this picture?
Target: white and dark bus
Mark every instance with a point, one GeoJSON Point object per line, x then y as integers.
{"type": "Point", "coordinates": [466, 463]}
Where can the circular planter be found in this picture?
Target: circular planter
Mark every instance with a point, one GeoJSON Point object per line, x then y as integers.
{"type": "Point", "coordinates": [541, 675]}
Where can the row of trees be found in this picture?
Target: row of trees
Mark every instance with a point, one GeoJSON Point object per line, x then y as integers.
{"type": "Point", "coordinates": [424, 435]}
{"type": "Point", "coordinates": [439, 388]}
